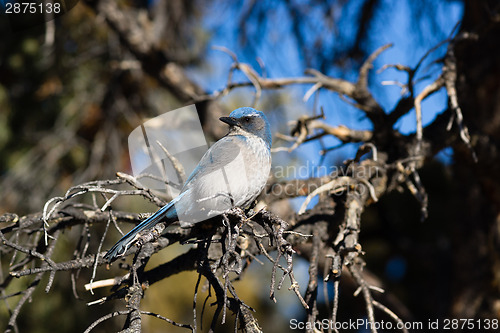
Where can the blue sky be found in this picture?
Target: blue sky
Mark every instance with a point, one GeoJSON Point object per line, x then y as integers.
{"type": "Point", "coordinates": [279, 51]}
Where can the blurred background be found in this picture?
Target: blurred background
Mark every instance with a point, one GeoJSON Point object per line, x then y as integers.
{"type": "Point", "coordinates": [71, 92]}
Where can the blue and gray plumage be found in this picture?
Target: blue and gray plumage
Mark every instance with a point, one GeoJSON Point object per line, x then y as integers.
{"type": "Point", "coordinates": [230, 174]}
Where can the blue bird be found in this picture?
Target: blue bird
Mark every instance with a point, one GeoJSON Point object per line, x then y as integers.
{"type": "Point", "coordinates": [230, 174]}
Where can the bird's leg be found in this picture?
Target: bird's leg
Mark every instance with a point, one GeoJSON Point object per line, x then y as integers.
{"type": "Point", "coordinates": [225, 220]}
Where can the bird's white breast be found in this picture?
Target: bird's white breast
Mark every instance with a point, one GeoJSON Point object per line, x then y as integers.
{"type": "Point", "coordinates": [231, 174]}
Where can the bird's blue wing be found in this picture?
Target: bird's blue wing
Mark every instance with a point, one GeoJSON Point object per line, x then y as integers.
{"type": "Point", "coordinates": [220, 154]}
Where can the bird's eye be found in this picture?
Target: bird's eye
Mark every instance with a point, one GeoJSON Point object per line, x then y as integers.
{"type": "Point", "coordinates": [246, 119]}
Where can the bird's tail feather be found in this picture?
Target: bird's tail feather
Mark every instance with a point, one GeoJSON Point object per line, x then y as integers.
{"type": "Point", "coordinates": [167, 213]}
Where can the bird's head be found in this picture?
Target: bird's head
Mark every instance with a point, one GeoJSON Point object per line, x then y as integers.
{"type": "Point", "coordinates": [249, 121]}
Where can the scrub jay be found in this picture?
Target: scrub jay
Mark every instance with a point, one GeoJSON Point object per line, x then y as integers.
{"type": "Point", "coordinates": [230, 174]}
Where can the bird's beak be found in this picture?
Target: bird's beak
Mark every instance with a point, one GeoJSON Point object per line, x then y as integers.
{"type": "Point", "coordinates": [229, 120]}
